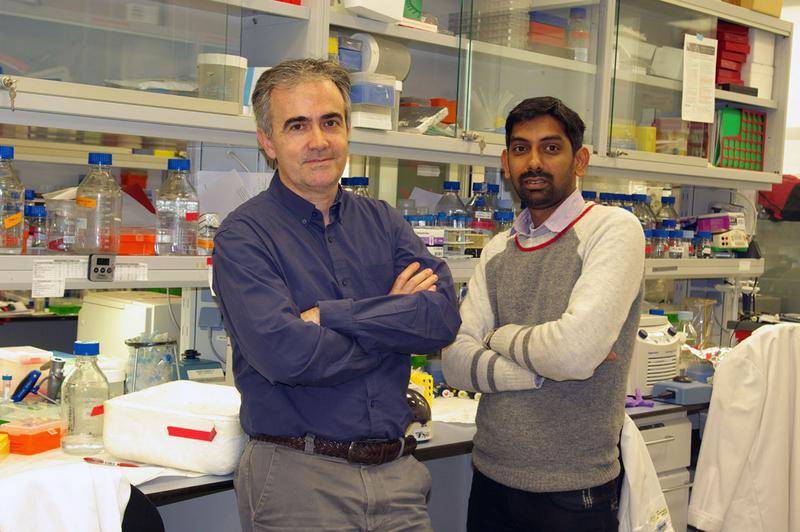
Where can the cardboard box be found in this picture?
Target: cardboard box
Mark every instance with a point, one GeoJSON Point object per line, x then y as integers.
{"type": "Point", "coordinates": [762, 47]}
{"type": "Point", "coordinates": [770, 7]}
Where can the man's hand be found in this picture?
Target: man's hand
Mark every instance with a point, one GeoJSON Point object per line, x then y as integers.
{"type": "Point", "coordinates": [410, 282]}
{"type": "Point", "coordinates": [311, 315]}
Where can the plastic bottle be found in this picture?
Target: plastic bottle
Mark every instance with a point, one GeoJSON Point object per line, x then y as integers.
{"type": "Point", "coordinates": [667, 210]}
{"type": "Point", "coordinates": [360, 186]}
{"type": "Point", "coordinates": [703, 247]}
{"type": "Point", "coordinates": [35, 229]}
{"type": "Point", "coordinates": [12, 224]}
{"type": "Point", "coordinates": [6, 389]}
{"type": "Point", "coordinates": [207, 230]}
{"type": "Point", "coordinates": [642, 211]}
{"type": "Point", "coordinates": [676, 244]}
{"type": "Point", "coordinates": [503, 220]}
{"type": "Point", "coordinates": [82, 398]}
{"type": "Point", "coordinates": [578, 36]}
{"type": "Point", "coordinates": [688, 244]}
{"type": "Point", "coordinates": [589, 195]}
{"type": "Point", "coordinates": [347, 184]}
{"type": "Point", "coordinates": [177, 212]}
{"type": "Point", "coordinates": [98, 209]}
{"type": "Point", "coordinates": [450, 210]}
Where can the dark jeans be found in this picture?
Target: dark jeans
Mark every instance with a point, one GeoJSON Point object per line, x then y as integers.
{"type": "Point", "coordinates": [494, 507]}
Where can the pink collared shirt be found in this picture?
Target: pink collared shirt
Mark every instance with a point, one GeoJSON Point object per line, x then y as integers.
{"type": "Point", "coordinates": [569, 209]}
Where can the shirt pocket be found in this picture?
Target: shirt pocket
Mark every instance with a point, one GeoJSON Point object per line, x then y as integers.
{"type": "Point", "coordinates": [378, 278]}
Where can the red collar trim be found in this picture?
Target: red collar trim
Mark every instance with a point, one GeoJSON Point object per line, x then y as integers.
{"type": "Point", "coordinates": [558, 235]}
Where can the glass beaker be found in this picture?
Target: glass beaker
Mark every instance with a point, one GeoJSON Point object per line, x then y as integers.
{"type": "Point", "coordinates": [151, 362]}
{"type": "Point", "coordinates": [61, 225]}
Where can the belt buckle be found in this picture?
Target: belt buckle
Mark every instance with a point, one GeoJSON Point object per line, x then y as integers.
{"type": "Point", "coordinates": [350, 451]}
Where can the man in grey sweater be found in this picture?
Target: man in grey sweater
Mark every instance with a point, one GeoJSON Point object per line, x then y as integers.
{"type": "Point", "coordinates": [549, 300]}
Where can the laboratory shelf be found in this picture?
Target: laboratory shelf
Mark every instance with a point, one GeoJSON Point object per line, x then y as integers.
{"type": "Point", "coordinates": [496, 51]}
{"type": "Point", "coordinates": [269, 7]}
{"type": "Point", "coordinates": [745, 99]}
{"type": "Point", "coordinates": [16, 271]}
{"type": "Point", "coordinates": [702, 268]}
{"type": "Point", "coordinates": [411, 35]}
{"type": "Point", "coordinates": [417, 147]}
{"type": "Point", "coordinates": [736, 14]}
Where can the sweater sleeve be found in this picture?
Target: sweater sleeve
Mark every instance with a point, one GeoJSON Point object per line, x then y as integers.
{"type": "Point", "coordinates": [573, 346]}
{"type": "Point", "coordinates": [468, 364]}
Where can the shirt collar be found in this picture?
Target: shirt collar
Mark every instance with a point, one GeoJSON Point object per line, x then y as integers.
{"type": "Point", "coordinates": [564, 214]}
{"type": "Point", "coordinates": [301, 208]}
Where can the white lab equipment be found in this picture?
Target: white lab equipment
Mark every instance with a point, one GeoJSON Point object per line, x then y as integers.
{"type": "Point", "coordinates": [113, 317]}
{"type": "Point", "coordinates": [655, 354]}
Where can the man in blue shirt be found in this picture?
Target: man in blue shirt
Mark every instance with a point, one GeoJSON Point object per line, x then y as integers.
{"type": "Point", "coordinates": [324, 296]}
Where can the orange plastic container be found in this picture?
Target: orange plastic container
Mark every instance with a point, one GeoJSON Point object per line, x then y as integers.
{"type": "Point", "coordinates": [33, 435]}
{"type": "Point", "coordinates": [137, 241]}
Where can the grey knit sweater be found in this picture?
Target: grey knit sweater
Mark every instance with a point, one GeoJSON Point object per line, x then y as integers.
{"type": "Point", "coordinates": [553, 307]}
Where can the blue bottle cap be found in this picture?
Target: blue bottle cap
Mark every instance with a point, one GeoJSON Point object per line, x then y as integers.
{"type": "Point", "coordinates": [35, 211]}
{"type": "Point", "coordinates": [477, 187]}
{"type": "Point", "coordinates": [91, 347]}
{"type": "Point", "coordinates": [577, 12]}
{"type": "Point", "coordinates": [492, 188]}
{"type": "Point", "coordinates": [7, 152]}
{"type": "Point", "coordinates": [648, 233]}
{"type": "Point", "coordinates": [503, 216]}
{"type": "Point", "coordinates": [359, 181]}
{"type": "Point", "coordinates": [6, 377]}
{"type": "Point", "coordinates": [451, 185]}
{"type": "Point", "coordinates": [668, 200]}
{"type": "Point", "coordinates": [656, 312]}
{"type": "Point", "coordinates": [660, 233]}
{"type": "Point", "coordinates": [677, 233]}
{"type": "Point", "coordinates": [346, 181]}
{"type": "Point", "coordinates": [704, 235]}
{"type": "Point", "coordinates": [30, 194]}
{"type": "Point", "coordinates": [639, 197]}
{"type": "Point", "coordinates": [589, 195]}
{"type": "Point", "coordinates": [181, 165]}
{"type": "Point", "coordinates": [100, 158]}
{"type": "Point", "coordinates": [669, 224]}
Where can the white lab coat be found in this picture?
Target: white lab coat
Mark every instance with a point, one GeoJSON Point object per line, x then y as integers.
{"type": "Point", "coordinates": [642, 505]}
{"type": "Point", "coordinates": [748, 474]}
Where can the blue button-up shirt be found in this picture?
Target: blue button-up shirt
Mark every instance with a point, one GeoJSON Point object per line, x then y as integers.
{"type": "Point", "coordinates": [346, 378]}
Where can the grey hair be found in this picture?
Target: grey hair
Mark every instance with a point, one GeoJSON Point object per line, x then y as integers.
{"type": "Point", "coordinates": [289, 74]}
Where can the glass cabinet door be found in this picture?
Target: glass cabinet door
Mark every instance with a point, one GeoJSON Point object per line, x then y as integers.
{"type": "Point", "coordinates": [647, 83]}
{"type": "Point", "coordinates": [422, 57]}
{"type": "Point", "coordinates": [524, 48]}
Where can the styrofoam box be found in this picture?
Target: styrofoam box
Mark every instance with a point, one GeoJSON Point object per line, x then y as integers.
{"type": "Point", "coordinates": [760, 77]}
{"type": "Point", "coordinates": [181, 424]}
{"type": "Point", "coordinates": [762, 47]}
{"type": "Point", "coordinates": [383, 10]}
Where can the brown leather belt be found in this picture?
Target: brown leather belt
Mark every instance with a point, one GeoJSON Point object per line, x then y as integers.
{"type": "Point", "coordinates": [367, 452]}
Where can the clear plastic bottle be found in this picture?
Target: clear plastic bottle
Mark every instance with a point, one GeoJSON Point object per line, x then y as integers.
{"type": "Point", "coordinates": [35, 229]}
{"type": "Point", "coordinates": [98, 209]}
{"type": "Point", "coordinates": [642, 211]}
{"type": "Point", "coordinates": [82, 398]}
{"type": "Point", "coordinates": [6, 397]}
{"type": "Point", "coordinates": [177, 212]}
{"type": "Point", "coordinates": [360, 186]}
{"type": "Point", "coordinates": [503, 220]}
{"type": "Point", "coordinates": [12, 192]}
{"type": "Point", "coordinates": [676, 244]}
{"type": "Point", "coordinates": [667, 210]}
{"type": "Point", "coordinates": [688, 244]}
{"type": "Point", "coordinates": [578, 36]}
{"type": "Point", "coordinates": [207, 230]}
{"type": "Point", "coordinates": [450, 210]}
{"type": "Point", "coordinates": [703, 247]}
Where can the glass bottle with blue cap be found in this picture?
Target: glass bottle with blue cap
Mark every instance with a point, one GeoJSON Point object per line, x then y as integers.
{"type": "Point", "coordinates": [98, 208]}
{"type": "Point", "coordinates": [177, 210]}
{"type": "Point", "coordinates": [11, 205]}
{"type": "Point", "coordinates": [82, 398]}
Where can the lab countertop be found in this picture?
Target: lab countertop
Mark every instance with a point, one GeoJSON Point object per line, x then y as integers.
{"type": "Point", "coordinates": [449, 439]}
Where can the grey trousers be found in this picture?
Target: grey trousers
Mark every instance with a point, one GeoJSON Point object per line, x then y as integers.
{"type": "Point", "coordinates": [278, 488]}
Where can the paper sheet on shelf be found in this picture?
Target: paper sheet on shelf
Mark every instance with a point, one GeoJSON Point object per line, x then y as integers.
{"type": "Point", "coordinates": [699, 75]}
{"type": "Point", "coordinates": [454, 409]}
{"type": "Point", "coordinates": [222, 192]}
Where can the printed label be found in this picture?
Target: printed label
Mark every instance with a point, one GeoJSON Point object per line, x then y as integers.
{"type": "Point", "coordinates": [191, 216]}
{"type": "Point", "coordinates": [84, 201]}
{"type": "Point", "coordinates": [12, 220]}
{"type": "Point", "coordinates": [483, 215]}
{"type": "Point", "coordinates": [97, 411]}
{"type": "Point", "coordinates": [205, 374]}
{"type": "Point", "coordinates": [205, 243]}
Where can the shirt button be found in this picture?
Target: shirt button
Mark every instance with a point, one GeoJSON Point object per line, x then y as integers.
{"type": "Point", "coordinates": [305, 222]}
{"type": "Point", "coordinates": [313, 214]}
{"type": "Point", "coordinates": [330, 240]}
{"type": "Point", "coordinates": [344, 282]}
{"type": "Point", "coordinates": [372, 404]}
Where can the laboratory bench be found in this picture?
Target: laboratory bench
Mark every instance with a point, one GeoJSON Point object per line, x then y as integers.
{"type": "Point", "coordinates": [208, 502]}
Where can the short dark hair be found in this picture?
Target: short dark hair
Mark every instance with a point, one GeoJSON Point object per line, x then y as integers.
{"type": "Point", "coordinates": [531, 108]}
